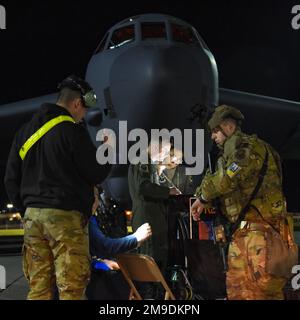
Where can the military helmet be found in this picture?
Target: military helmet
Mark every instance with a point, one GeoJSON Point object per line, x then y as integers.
{"type": "Point", "coordinates": [224, 112]}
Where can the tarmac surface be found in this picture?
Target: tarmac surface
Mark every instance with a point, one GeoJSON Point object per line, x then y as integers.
{"type": "Point", "coordinates": [16, 284]}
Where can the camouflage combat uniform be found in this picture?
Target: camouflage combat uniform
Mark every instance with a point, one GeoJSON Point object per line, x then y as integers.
{"type": "Point", "coordinates": [56, 239]}
{"type": "Point", "coordinates": [54, 182]}
{"type": "Point", "coordinates": [233, 182]}
{"type": "Point", "coordinates": [148, 206]}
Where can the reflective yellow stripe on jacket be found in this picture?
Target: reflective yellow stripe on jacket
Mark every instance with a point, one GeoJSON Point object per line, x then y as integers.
{"type": "Point", "coordinates": [42, 131]}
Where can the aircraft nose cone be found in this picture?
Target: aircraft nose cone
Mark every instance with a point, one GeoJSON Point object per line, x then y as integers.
{"type": "Point", "coordinates": [158, 85]}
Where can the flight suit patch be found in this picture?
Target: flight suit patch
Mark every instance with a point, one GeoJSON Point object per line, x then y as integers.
{"type": "Point", "coordinates": [232, 170]}
{"type": "Point", "coordinates": [144, 168]}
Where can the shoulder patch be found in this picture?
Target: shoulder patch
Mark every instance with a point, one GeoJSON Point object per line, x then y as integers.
{"type": "Point", "coordinates": [240, 154]}
{"type": "Point", "coordinates": [233, 169]}
{"type": "Point", "coordinates": [144, 168]}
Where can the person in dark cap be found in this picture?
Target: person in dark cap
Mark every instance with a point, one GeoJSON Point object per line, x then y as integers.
{"type": "Point", "coordinates": [51, 173]}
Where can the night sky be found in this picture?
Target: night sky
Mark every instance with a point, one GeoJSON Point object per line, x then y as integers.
{"type": "Point", "coordinates": [253, 42]}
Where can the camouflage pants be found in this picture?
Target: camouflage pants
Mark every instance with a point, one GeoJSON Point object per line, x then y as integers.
{"type": "Point", "coordinates": [56, 251]}
{"type": "Point", "coordinates": [246, 276]}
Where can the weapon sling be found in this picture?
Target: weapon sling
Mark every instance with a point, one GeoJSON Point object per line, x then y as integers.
{"type": "Point", "coordinates": [242, 214]}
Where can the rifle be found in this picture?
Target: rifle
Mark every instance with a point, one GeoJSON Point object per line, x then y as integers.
{"type": "Point", "coordinates": [218, 222]}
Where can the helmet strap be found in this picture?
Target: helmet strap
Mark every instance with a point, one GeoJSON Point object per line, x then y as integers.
{"type": "Point", "coordinates": [223, 132]}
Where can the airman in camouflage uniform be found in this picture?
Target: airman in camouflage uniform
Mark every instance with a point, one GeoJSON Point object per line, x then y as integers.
{"type": "Point", "coordinates": [240, 162]}
{"type": "Point", "coordinates": [51, 172]}
{"type": "Point", "coordinates": [56, 239]}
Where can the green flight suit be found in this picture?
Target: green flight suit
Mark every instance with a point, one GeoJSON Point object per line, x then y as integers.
{"type": "Point", "coordinates": [177, 177]}
{"type": "Point", "coordinates": [148, 205]}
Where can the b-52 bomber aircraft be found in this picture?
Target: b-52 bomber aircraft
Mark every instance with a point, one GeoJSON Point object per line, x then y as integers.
{"type": "Point", "coordinates": [155, 71]}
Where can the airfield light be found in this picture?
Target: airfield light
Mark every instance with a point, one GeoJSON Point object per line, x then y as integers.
{"type": "Point", "coordinates": [128, 214]}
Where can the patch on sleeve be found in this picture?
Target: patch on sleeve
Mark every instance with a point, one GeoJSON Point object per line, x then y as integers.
{"type": "Point", "coordinates": [232, 170]}
{"type": "Point", "coordinates": [240, 154]}
{"type": "Point", "coordinates": [144, 168]}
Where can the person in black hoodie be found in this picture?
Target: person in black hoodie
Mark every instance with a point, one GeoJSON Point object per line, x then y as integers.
{"type": "Point", "coordinates": [51, 172]}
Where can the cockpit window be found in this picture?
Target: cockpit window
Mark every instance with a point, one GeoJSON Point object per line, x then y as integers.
{"type": "Point", "coordinates": [102, 44]}
{"type": "Point", "coordinates": [183, 34]}
{"type": "Point", "coordinates": [122, 36]}
{"type": "Point", "coordinates": [153, 30]}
